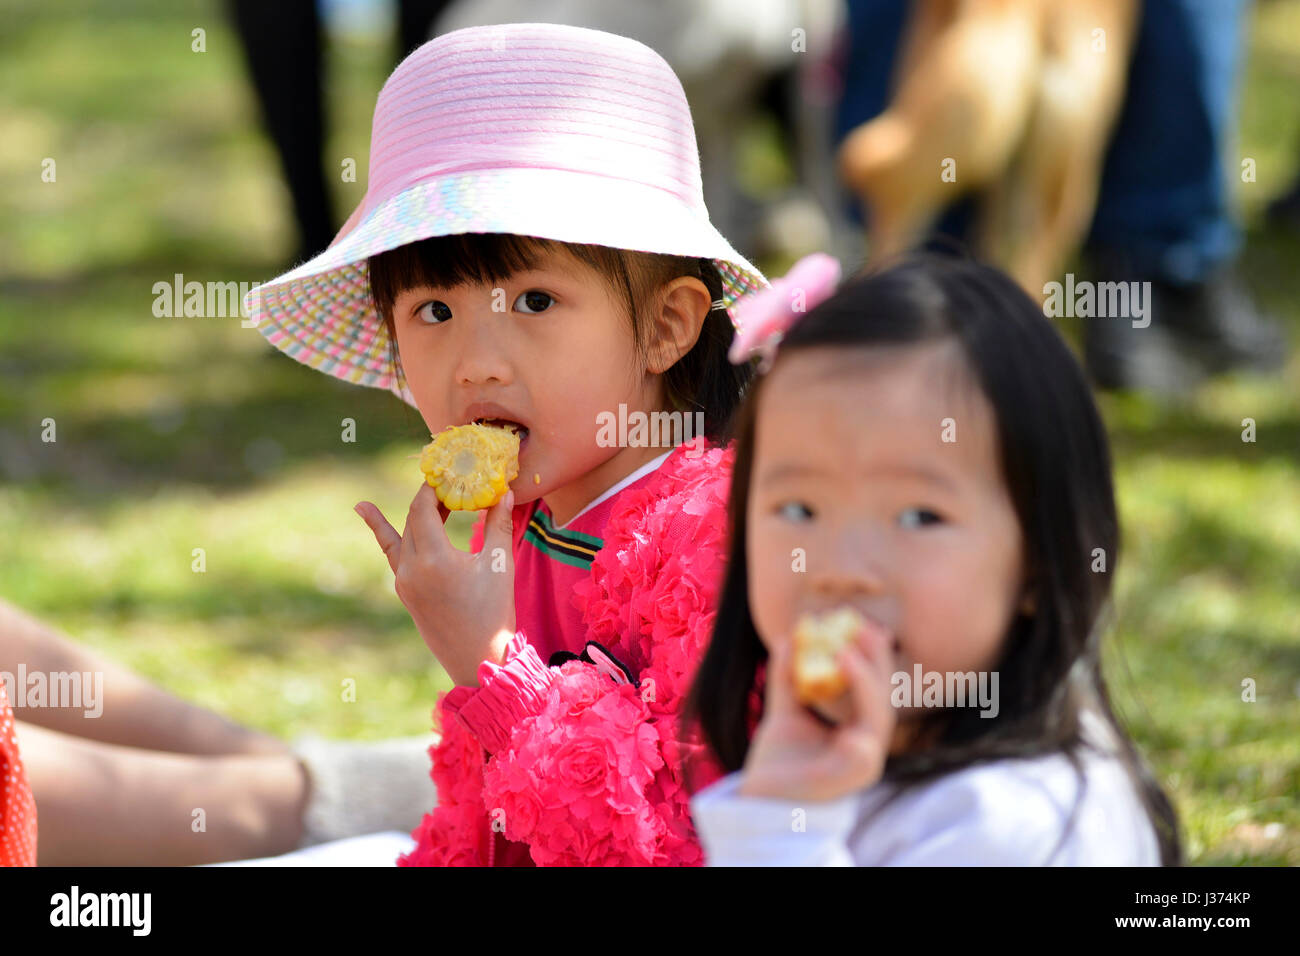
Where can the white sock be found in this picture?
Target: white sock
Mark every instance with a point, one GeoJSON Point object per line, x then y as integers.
{"type": "Point", "coordinates": [365, 786]}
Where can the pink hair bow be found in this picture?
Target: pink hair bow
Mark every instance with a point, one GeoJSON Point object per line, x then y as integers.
{"type": "Point", "coordinates": [764, 317]}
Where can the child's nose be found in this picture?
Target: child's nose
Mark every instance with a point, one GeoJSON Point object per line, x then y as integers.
{"type": "Point", "coordinates": [481, 353]}
{"type": "Point", "coordinates": [852, 560]}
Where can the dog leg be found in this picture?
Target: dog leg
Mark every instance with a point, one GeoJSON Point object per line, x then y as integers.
{"type": "Point", "coordinates": [1040, 213]}
{"type": "Point", "coordinates": [959, 112]}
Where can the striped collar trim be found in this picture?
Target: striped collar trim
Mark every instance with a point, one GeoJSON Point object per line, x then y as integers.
{"type": "Point", "coordinates": [564, 545]}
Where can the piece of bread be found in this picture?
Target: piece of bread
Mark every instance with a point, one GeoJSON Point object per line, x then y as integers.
{"type": "Point", "coordinates": [470, 467]}
{"type": "Point", "coordinates": [817, 640]}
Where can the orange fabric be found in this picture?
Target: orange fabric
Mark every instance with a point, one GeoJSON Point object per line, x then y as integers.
{"type": "Point", "coordinates": [17, 806]}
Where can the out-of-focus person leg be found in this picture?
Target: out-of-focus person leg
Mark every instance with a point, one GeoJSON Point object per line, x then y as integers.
{"type": "Point", "coordinates": [122, 786]}
{"type": "Point", "coordinates": [283, 49]}
{"type": "Point", "coordinates": [99, 804]}
{"type": "Point", "coordinates": [1164, 213]}
{"type": "Point", "coordinates": [415, 19]}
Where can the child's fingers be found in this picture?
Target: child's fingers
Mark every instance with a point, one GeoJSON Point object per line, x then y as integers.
{"type": "Point", "coordinates": [390, 542]}
{"type": "Point", "coordinates": [779, 693]}
{"type": "Point", "coordinates": [877, 645]}
{"type": "Point", "coordinates": [869, 689]}
{"type": "Point", "coordinates": [443, 511]}
{"type": "Point", "coordinates": [498, 528]}
{"type": "Point", "coordinates": [861, 743]}
{"type": "Point", "coordinates": [874, 639]}
{"type": "Point", "coordinates": [424, 521]}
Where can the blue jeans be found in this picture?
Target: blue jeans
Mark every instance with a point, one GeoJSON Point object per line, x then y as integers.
{"type": "Point", "coordinates": [1164, 197]}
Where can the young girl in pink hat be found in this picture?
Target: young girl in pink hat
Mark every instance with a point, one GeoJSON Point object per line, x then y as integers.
{"type": "Point", "coordinates": [533, 246]}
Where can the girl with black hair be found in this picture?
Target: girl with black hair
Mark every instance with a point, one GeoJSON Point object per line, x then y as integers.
{"type": "Point", "coordinates": [923, 449]}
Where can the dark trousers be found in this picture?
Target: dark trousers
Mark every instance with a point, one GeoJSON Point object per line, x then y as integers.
{"type": "Point", "coordinates": [283, 48]}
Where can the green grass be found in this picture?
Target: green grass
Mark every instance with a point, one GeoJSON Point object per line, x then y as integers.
{"type": "Point", "coordinates": [177, 434]}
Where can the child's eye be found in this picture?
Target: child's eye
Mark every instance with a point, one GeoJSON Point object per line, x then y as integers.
{"type": "Point", "coordinates": [533, 301]}
{"type": "Point", "coordinates": [918, 517]}
{"type": "Point", "coordinates": [434, 313]}
{"type": "Point", "coordinates": [790, 509]}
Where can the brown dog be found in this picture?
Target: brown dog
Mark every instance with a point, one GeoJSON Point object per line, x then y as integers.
{"type": "Point", "coordinates": [1016, 97]}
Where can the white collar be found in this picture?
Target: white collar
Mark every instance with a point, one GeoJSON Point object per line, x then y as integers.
{"type": "Point", "coordinates": [639, 473]}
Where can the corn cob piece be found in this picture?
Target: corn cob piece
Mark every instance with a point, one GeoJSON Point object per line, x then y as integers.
{"type": "Point", "coordinates": [470, 467]}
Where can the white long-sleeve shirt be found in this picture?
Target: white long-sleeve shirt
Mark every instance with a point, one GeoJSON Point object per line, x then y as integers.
{"type": "Point", "coordinates": [1009, 812]}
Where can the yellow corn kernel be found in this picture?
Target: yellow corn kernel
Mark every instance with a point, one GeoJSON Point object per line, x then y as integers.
{"type": "Point", "coordinates": [470, 467]}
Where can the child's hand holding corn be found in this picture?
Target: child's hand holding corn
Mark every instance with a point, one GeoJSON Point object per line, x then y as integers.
{"type": "Point", "coordinates": [462, 606]}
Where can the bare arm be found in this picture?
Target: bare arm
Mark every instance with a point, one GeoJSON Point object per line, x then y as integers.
{"type": "Point", "coordinates": [131, 711]}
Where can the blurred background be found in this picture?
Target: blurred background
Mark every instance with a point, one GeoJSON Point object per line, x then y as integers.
{"type": "Point", "coordinates": [178, 433]}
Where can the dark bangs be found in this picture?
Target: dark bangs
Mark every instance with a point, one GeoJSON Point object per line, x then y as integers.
{"type": "Point", "coordinates": [701, 380]}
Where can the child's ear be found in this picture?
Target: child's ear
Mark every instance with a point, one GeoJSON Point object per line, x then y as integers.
{"type": "Point", "coordinates": [1028, 602]}
{"type": "Point", "coordinates": [684, 305]}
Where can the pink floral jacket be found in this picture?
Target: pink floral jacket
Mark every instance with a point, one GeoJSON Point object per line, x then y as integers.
{"type": "Point", "coordinates": [589, 771]}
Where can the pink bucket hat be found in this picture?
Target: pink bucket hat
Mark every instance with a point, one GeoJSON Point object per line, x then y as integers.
{"type": "Point", "coordinates": [534, 129]}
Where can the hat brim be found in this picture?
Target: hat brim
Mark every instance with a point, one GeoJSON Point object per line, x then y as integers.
{"type": "Point", "coordinates": [321, 313]}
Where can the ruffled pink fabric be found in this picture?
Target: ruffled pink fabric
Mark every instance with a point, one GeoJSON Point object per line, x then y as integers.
{"type": "Point", "coordinates": [518, 688]}
{"type": "Point", "coordinates": [590, 773]}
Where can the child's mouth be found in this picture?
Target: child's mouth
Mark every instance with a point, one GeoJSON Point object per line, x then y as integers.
{"type": "Point", "coordinates": [520, 430]}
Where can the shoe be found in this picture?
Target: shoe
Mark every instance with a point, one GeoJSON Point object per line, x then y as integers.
{"type": "Point", "coordinates": [1195, 331]}
{"type": "Point", "coordinates": [1220, 323]}
{"type": "Point", "coordinates": [1119, 356]}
